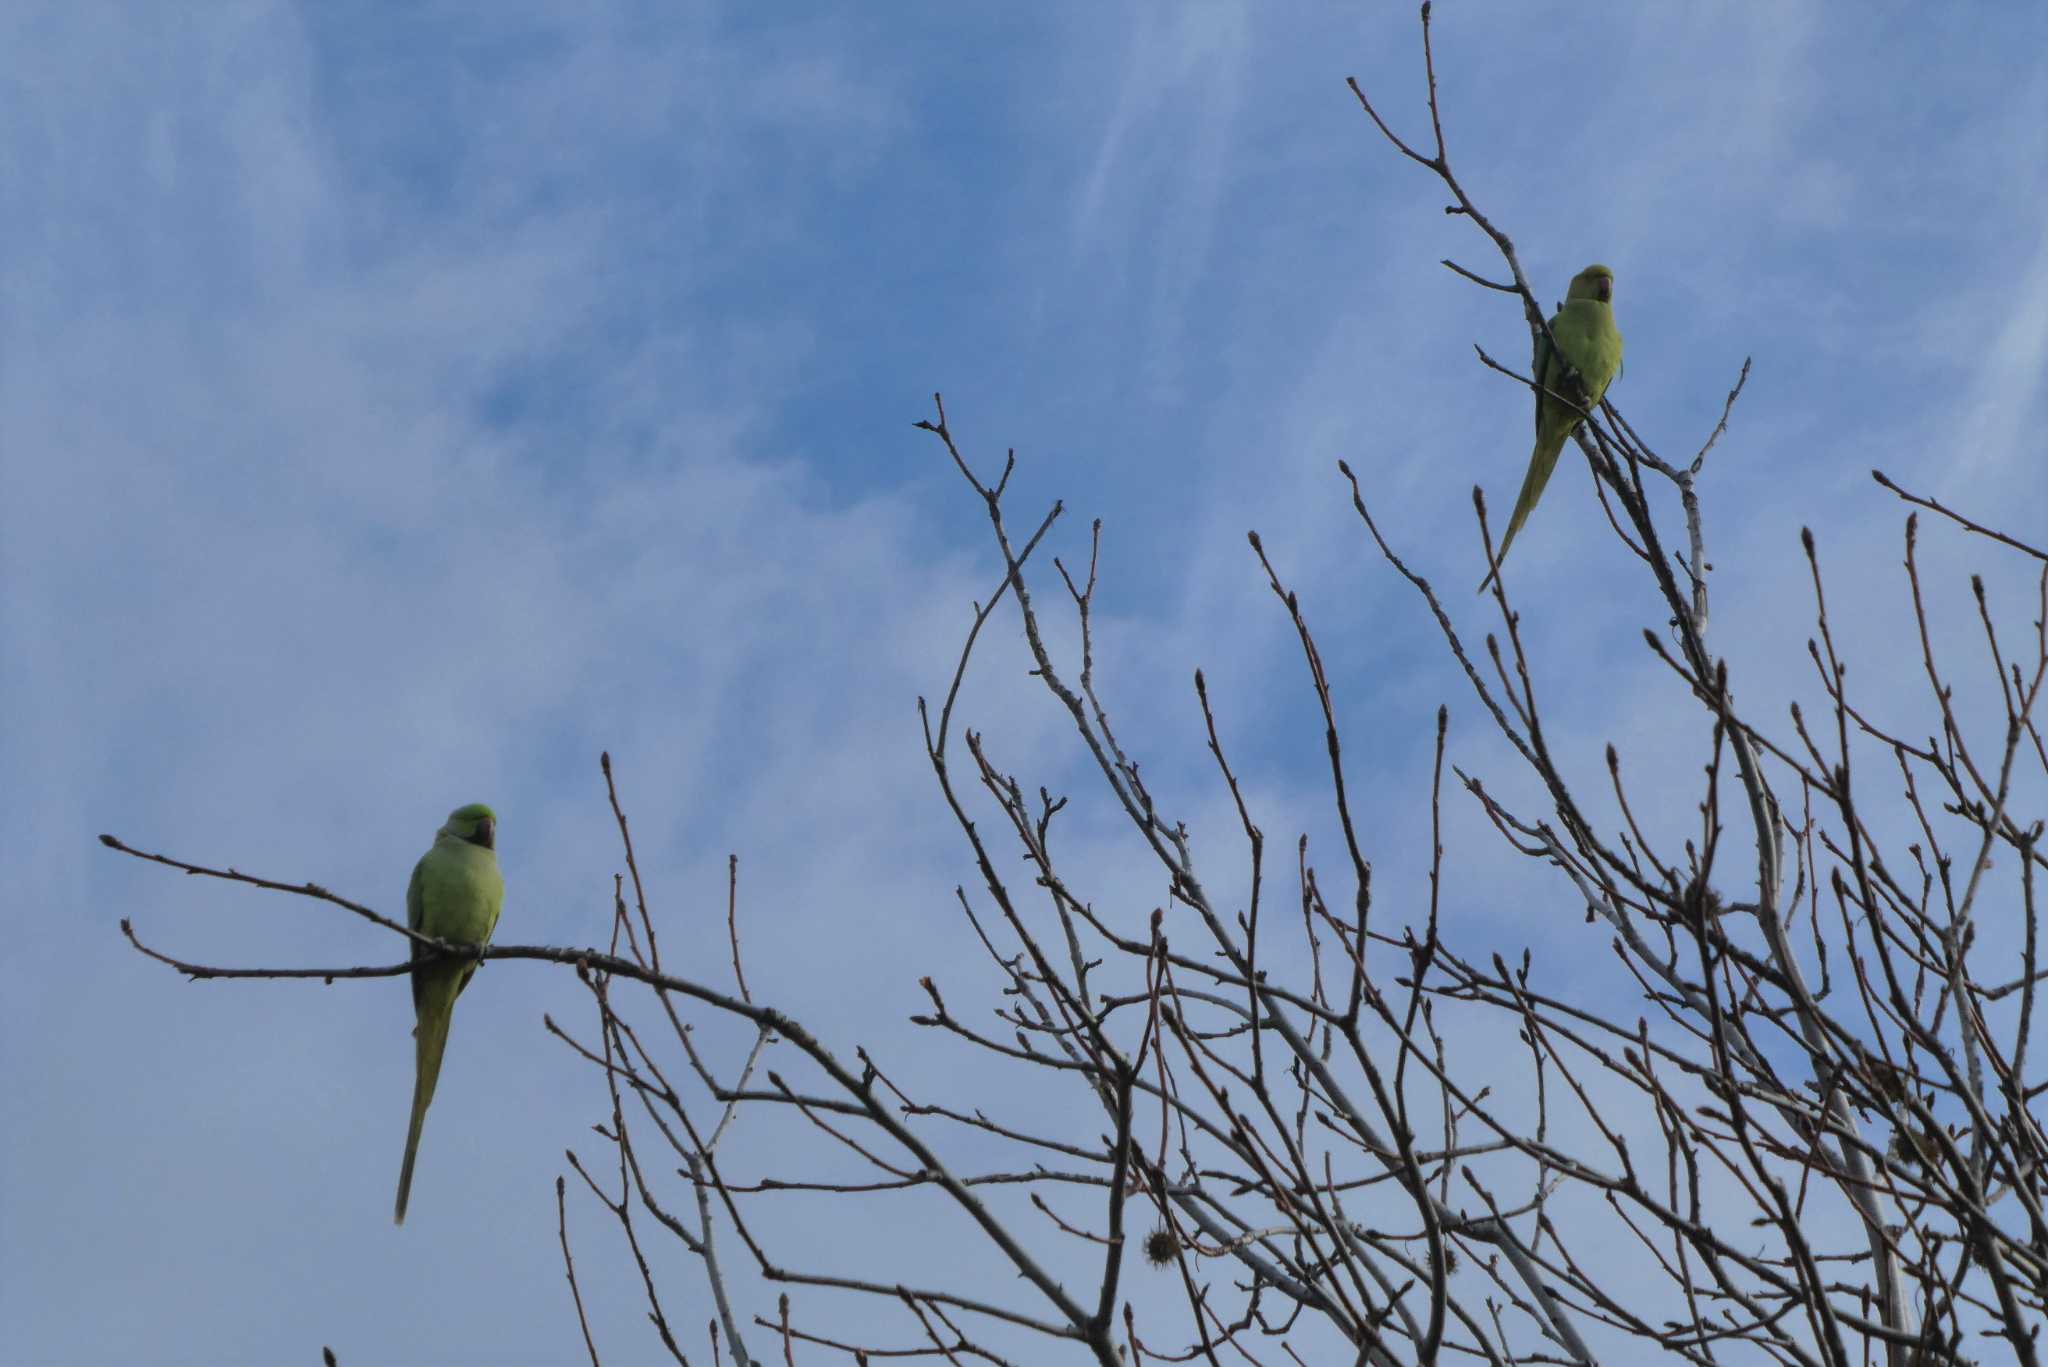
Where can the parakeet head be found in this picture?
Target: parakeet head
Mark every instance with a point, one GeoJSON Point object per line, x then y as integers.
{"type": "Point", "coordinates": [1594, 282]}
{"type": "Point", "coordinates": [476, 823]}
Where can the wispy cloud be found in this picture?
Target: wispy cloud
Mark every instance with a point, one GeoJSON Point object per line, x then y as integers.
{"type": "Point", "coordinates": [395, 411]}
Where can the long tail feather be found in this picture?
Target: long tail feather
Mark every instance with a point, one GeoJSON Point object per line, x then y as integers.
{"type": "Point", "coordinates": [1541, 462]}
{"type": "Point", "coordinates": [430, 1041]}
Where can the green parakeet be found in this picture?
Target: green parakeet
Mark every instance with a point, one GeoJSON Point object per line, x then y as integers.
{"type": "Point", "coordinates": [455, 894]}
{"type": "Point", "coordinates": [1586, 360]}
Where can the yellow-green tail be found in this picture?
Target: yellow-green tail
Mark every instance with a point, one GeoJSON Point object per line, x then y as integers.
{"type": "Point", "coordinates": [430, 1040]}
{"type": "Point", "coordinates": [1541, 462]}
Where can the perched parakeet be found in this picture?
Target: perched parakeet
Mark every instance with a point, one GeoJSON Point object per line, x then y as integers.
{"type": "Point", "coordinates": [1584, 363]}
{"type": "Point", "coordinates": [455, 894]}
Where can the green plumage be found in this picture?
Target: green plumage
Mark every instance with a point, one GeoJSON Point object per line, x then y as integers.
{"type": "Point", "coordinates": [1585, 361]}
{"type": "Point", "coordinates": [455, 895]}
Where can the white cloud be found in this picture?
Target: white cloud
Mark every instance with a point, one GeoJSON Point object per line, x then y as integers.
{"type": "Point", "coordinates": [392, 417]}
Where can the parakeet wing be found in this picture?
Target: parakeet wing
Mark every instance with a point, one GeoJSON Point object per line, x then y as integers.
{"type": "Point", "coordinates": [415, 916]}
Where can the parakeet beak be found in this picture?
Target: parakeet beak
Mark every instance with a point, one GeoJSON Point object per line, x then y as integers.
{"type": "Point", "coordinates": [486, 834]}
{"type": "Point", "coordinates": [1606, 288]}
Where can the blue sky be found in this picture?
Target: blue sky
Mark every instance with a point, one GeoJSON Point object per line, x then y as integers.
{"type": "Point", "coordinates": [401, 403]}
